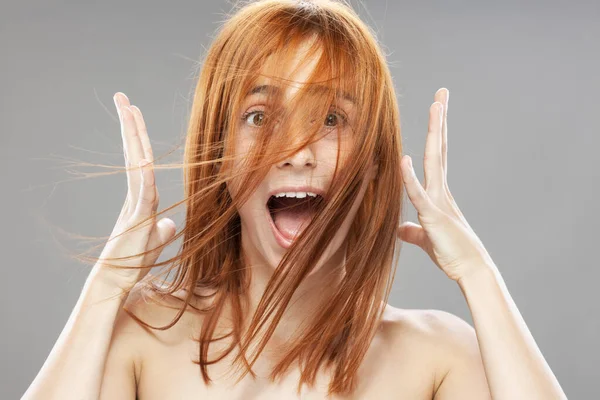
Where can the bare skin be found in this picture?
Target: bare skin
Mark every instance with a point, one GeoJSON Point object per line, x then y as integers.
{"type": "Point", "coordinates": [408, 359]}
{"type": "Point", "coordinates": [416, 354]}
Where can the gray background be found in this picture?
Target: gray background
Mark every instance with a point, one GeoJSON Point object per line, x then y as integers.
{"type": "Point", "coordinates": [523, 141]}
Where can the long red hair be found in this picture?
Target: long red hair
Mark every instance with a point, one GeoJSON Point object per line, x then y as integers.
{"type": "Point", "coordinates": [350, 62]}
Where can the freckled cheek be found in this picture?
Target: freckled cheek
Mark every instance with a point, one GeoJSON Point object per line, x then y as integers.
{"type": "Point", "coordinates": [328, 153]}
{"type": "Point", "coordinates": [243, 145]}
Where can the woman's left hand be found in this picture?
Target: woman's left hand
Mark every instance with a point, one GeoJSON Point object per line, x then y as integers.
{"type": "Point", "coordinates": [443, 233]}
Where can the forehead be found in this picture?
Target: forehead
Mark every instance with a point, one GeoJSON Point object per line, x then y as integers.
{"type": "Point", "coordinates": [295, 75]}
{"type": "Point", "coordinates": [264, 87]}
{"type": "Point", "coordinates": [300, 66]}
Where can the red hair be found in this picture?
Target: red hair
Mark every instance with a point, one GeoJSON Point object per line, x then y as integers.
{"type": "Point", "coordinates": [350, 61]}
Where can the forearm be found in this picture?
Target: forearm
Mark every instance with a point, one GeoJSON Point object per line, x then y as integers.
{"type": "Point", "coordinates": [514, 366]}
{"type": "Point", "coordinates": [74, 367]}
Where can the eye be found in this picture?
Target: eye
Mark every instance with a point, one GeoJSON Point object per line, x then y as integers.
{"type": "Point", "coordinates": [333, 117]}
{"type": "Point", "coordinates": [254, 120]}
{"type": "Point", "coordinates": [336, 118]}
{"type": "Point", "coordinates": [257, 117]}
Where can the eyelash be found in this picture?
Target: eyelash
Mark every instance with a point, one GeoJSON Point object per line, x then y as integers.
{"type": "Point", "coordinates": [339, 113]}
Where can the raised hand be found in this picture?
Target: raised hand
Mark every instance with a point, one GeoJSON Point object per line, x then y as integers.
{"type": "Point", "coordinates": [443, 233]}
{"type": "Point", "coordinates": [140, 204]}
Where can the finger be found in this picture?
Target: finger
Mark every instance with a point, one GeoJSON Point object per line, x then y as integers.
{"type": "Point", "coordinates": [145, 206]}
{"type": "Point", "coordinates": [416, 193]}
{"type": "Point", "coordinates": [443, 95]}
{"type": "Point", "coordinates": [412, 233]}
{"type": "Point", "coordinates": [162, 232]}
{"type": "Point", "coordinates": [143, 133]}
{"type": "Point", "coordinates": [432, 161]}
{"type": "Point", "coordinates": [131, 153]}
{"type": "Point", "coordinates": [166, 230]}
{"type": "Point", "coordinates": [144, 141]}
{"type": "Point", "coordinates": [132, 148]}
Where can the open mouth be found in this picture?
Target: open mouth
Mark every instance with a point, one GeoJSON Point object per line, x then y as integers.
{"type": "Point", "coordinates": [290, 215]}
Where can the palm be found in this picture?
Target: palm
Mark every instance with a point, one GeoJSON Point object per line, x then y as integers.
{"type": "Point", "coordinates": [444, 233]}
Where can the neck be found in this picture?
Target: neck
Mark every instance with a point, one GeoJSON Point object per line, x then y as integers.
{"type": "Point", "coordinates": [308, 297]}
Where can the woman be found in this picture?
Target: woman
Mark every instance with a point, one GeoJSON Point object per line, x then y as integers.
{"type": "Point", "coordinates": [294, 180]}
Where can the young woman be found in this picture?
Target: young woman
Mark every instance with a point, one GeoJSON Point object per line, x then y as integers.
{"type": "Point", "coordinates": [294, 180]}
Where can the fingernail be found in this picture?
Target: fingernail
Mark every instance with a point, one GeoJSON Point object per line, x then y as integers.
{"type": "Point", "coordinates": [116, 100]}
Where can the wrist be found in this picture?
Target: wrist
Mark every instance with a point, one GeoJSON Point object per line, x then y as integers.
{"type": "Point", "coordinates": [112, 278]}
{"type": "Point", "coordinates": [100, 285]}
{"type": "Point", "coordinates": [477, 275]}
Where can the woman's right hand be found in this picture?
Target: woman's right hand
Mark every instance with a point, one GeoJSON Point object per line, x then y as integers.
{"type": "Point", "coordinates": [141, 203]}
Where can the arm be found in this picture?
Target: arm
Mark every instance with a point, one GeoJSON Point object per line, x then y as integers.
{"type": "Point", "coordinates": [75, 367]}
{"type": "Point", "coordinates": [499, 354]}
{"type": "Point", "coordinates": [514, 365]}
{"type": "Point", "coordinates": [93, 353]}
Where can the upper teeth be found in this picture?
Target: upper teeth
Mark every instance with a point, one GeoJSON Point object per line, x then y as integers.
{"type": "Point", "coordinates": [295, 194]}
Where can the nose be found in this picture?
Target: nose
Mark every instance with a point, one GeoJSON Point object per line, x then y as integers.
{"type": "Point", "coordinates": [304, 158]}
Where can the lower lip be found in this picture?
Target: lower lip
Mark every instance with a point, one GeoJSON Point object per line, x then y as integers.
{"type": "Point", "coordinates": [282, 241]}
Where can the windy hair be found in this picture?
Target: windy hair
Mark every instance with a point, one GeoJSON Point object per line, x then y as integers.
{"type": "Point", "coordinates": [210, 265]}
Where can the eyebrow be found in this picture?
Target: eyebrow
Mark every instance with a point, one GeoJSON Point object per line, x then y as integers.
{"type": "Point", "coordinates": [318, 88]}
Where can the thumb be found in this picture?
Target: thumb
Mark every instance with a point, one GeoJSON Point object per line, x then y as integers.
{"type": "Point", "coordinates": [412, 233]}
{"type": "Point", "coordinates": [166, 230]}
{"type": "Point", "coordinates": [162, 232]}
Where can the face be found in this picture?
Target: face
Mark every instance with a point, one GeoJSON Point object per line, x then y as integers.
{"type": "Point", "coordinates": [265, 238]}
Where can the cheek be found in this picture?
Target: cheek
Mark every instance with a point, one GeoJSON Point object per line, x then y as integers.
{"type": "Point", "coordinates": [242, 147]}
{"type": "Point", "coordinates": [252, 215]}
{"type": "Point", "coordinates": [328, 151]}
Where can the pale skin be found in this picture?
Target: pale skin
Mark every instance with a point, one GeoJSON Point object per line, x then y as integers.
{"type": "Point", "coordinates": [417, 354]}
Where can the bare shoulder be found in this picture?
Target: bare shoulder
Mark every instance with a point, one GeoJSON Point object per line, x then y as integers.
{"type": "Point", "coordinates": [442, 339]}
{"type": "Point", "coordinates": [427, 325]}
